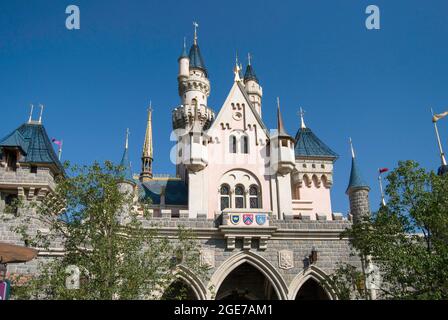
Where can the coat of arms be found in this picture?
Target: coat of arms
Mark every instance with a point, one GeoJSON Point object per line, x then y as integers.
{"type": "Point", "coordinates": [234, 218]}
{"type": "Point", "coordinates": [248, 218]}
{"type": "Point", "coordinates": [260, 219]}
{"type": "Point", "coordinates": [285, 259]}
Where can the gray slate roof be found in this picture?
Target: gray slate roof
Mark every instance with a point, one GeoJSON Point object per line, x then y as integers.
{"type": "Point", "coordinates": [32, 138]}
{"type": "Point", "coordinates": [307, 144]}
{"type": "Point", "coordinates": [196, 60]}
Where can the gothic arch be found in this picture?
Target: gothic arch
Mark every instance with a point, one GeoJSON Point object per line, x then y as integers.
{"type": "Point", "coordinates": [188, 277]}
{"type": "Point", "coordinates": [255, 260]}
{"type": "Point", "coordinates": [315, 273]}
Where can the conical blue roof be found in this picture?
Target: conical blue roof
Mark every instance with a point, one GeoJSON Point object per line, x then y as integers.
{"type": "Point", "coordinates": [196, 60]}
{"type": "Point", "coordinates": [307, 144]}
{"type": "Point", "coordinates": [126, 165]}
{"type": "Point", "coordinates": [32, 138]}
{"type": "Point", "coordinates": [250, 74]}
{"type": "Point", "coordinates": [184, 53]}
{"type": "Point", "coordinates": [356, 180]}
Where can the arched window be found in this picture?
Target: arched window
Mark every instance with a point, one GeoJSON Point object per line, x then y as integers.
{"type": "Point", "coordinates": [225, 196]}
{"type": "Point", "coordinates": [245, 144]}
{"type": "Point", "coordinates": [254, 197]}
{"type": "Point", "coordinates": [239, 197]}
{"type": "Point", "coordinates": [232, 144]}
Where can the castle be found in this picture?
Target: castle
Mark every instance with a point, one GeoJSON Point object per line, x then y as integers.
{"type": "Point", "coordinates": [258, 199]}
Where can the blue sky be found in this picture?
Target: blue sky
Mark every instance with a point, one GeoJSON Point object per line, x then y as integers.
{"type": "Point", "coordinates": [375, 86]}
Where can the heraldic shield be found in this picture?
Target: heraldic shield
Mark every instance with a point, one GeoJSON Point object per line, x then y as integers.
{"type": "Point", "coordinates": [260, 219]}
{"type": "Point", "coordinates": [248, 218]}
{"type": "Point", "coordinates": [235, 218]}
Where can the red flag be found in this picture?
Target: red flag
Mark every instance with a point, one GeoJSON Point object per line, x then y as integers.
{"type": "Point", "coordinates": [59, 143]}
{"type": "Point", "coordinates": [382, 170]}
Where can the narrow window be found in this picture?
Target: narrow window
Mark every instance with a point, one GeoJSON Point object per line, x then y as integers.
{"type": "Point", "coordinates": [254, 197]}
{"type": "Point", "coordinates": [232, 143]}
{"type": "Point", "coordinates": [225, 196]}
{"type": "Point", "coordinates": [245, 144]}
{"type": "Point", "coordinates": [239, 197]}
{"type": "Point", "coordinates": [11, 161]}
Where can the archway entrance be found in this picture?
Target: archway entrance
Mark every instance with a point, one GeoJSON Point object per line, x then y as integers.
{"type": "Point", "coordinates": [246, 283]}
{"type": "Point", "coordinates": [312, 290]}
{"type": "Point", "coordinates": [179, 290]}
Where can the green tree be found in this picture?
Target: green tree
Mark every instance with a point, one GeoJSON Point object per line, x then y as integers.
{"type": "Point", "coordinates": [408, 239]}
{"type": "Point", "coordinates": [102, 234]}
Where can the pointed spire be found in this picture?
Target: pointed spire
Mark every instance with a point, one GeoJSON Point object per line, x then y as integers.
{"type": "Point", "coordinates": [147, 154]}
{"type": "Point", "coordinates": [184, 50]}
{"type": "Point", "coordinates": [196, 60]}
{"type": "Point", "coordinates": [250, 72]}
{"type": "Point", "coordinates": [301, 113]}
{"type": "Point", "coordinates": [356, 180]}
{"type": "Point", "coordinates": [125, 163]}
{"type": "Point", "coordinates": [237, 69]}
{"type": "Point", "coordinates": [147, 147]}
{"type": "Point", "coordinates": [31, 113]}
{"type": "Point", "coordinates": [280, 126]}
{"type": "Point", "coordinates": [41, 111]}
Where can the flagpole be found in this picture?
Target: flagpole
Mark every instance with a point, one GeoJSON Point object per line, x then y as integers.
{"type": "Point", "coordinates": [60, 150]}
{"type": "Point", "coordinates": [383, 201]}
{"type": "Point", "coordinates": [442, 154]}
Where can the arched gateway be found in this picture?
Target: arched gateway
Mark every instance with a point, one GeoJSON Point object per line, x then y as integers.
{"type": "Point", "coordinates": [247, 276]}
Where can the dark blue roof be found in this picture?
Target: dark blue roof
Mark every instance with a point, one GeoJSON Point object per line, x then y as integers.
{"type": "Point", "coordinates": [184, 53]}
{"type": "Point", "coordinates": [442, 170]}
{"type": "Point", "coordinates": [33, 139]}
{"type": "Point", "coordinates": [176, 192]}
{"type": "Point", "coordinates": [307, 144]}
{"type": "Point", "coordinates": [196, 60]}
{"type": "Point", "coordinates": [250, 74]}
{"type": "Point", "coordinates": [356, 180]}
{"type": "Point", "coordinates": [15, 139]}
{"type": "Point", "coordinates": [126, 166]}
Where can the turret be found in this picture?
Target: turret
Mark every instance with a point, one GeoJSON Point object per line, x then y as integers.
{"type": "Point", "coordinates": [282, 147]}
{"type": "Point", "coordinates": [184, 65]}
{"type": "Point", "coordinates": [194, 144]}
{"type": "Point", "coordinates": [194, 86]}
{"type": "Point", "coordinates": [358, 192]}
{"type": "Point", "coordinates": [28, 164]}
{"type": "Point", "coordinates": [282, 164]}
{"type": "Point", "coordinates": [147, 156]}
{"type": "Point", "coordinates": [252, 85]}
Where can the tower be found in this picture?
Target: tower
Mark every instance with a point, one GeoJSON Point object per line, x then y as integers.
{"type": "Point", "coordinates": [282, 164]}
{"type": "Point", "coordinates": [312, 178]}
{"type": "Point", "coordinates": [358, 192]}
{"type": "Point", "coordinates": [147, 155]}
{"type": "Point", "coordinates": [252, 85]}
{"type": "Point", "coordinates": [193, 86]}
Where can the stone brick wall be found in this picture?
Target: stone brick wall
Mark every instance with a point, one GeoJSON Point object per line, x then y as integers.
{"type": "Point", "coordinates": [359, 203]}
{"type": "Point", "coordinates": [297, 236]}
